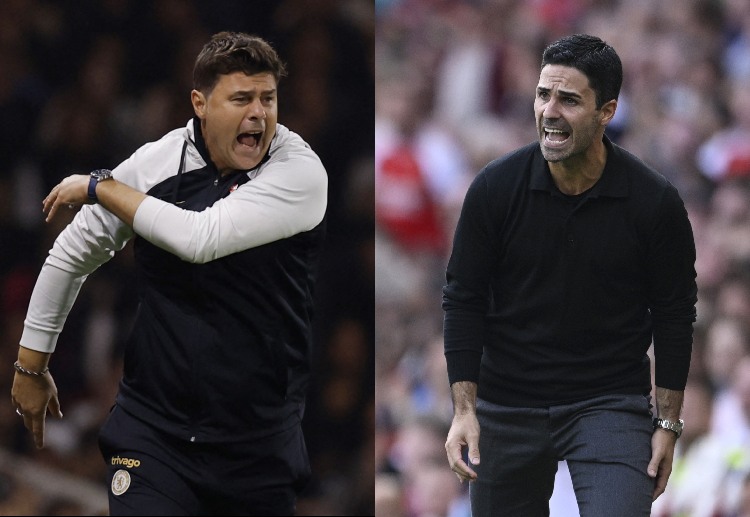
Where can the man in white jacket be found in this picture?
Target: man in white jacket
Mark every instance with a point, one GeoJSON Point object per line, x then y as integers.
{"type": "Point", "coordinates": [228, 219]}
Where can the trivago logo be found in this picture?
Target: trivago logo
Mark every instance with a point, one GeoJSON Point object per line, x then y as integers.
{"type": "Point", "coordinates": [128, 462]}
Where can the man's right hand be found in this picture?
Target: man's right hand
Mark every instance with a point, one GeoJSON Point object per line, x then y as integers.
{"type": "Point", "coordinates": [464, 432]}
{"type": "Point", "coordinates": [32, 396]}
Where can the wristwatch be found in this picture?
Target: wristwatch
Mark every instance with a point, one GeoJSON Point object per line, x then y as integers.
{"type": "Point", "coordinates": [675, 427]}
{"type": "Point", "coordinates": [97, 176]}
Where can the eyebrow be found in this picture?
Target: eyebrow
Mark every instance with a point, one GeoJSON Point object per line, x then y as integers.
{"type": "Point", "coordinates": [561, 93]}
{"type": "Point", "coordinates": [247, 93]}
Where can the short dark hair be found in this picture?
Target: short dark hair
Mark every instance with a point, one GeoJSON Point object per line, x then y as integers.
{"type": "Point", "coordinates": [228, 52]}
{"type": "Point", "coordinates": [592, 56]}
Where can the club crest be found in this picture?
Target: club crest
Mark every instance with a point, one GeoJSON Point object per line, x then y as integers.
{"type": "Point", "coordinates": [120, 482]}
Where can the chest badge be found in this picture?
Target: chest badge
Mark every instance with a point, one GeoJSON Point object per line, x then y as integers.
{"type": "Point", "coordinates": [120, 482]}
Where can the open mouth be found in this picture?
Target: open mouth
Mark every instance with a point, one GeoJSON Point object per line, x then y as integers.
{"type": "Point", "coordinates": [555, 137]}
{"type": "Point", "coordinates": [250, 139]}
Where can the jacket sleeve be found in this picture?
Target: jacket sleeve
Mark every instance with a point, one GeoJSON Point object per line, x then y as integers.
{"type": "Point", "coordinates": [90, 240]}
{"type": "Point", "coordinates": [289, 196]}
{"type": "Point", "coordinates": [672, 291]}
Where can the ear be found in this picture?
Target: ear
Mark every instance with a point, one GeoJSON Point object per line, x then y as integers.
{"type": "Point", "coordinates": [199, 103]}
{"type": "Point", "coordinates": [607, 111]}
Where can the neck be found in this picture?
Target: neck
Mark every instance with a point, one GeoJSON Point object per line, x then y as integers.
{"type": "Point", "coordinates": [222, 168]}
{"type": "Point", "coordinates": [579, 173]}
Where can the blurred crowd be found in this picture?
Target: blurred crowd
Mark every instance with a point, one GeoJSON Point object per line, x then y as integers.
{"type": "Point", "coordinates": [455, 82]}
{"type": "Point", "coordinates": [84, 83]}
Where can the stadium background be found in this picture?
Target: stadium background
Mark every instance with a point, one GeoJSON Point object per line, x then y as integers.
{"type": "Point", "coordinates": [82, 85]}
{"type": "Point", "coordinates": [455, 82]}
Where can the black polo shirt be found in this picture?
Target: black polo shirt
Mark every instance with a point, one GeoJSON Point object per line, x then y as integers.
{"type": "Point", "coordinates": [559, 297]}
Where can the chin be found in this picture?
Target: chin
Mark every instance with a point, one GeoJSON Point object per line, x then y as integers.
{"type": "Point", "coordinates": [554, 157]}
{"type": "Point", "coordinates": [244, 165]}
{"type": "Point", "coordinates": [243, 161]}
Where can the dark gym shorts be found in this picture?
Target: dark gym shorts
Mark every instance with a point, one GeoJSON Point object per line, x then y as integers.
{"type": "Point", "coordinates": [152, 473]}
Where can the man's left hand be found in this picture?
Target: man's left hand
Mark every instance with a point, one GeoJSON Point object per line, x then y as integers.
{"type": "Point", "coordinates": [662, 453]}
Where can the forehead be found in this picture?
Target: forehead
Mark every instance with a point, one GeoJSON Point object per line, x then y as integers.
{"type": "Point", "coordinates": [565, 77]}
{"type": "Point", "coordinates": [239, 81]}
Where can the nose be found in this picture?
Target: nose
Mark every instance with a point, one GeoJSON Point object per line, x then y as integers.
{"type": "Point", "coordinates": [256, 110]}
{"type": "Point", "coordinates": [551, 109]}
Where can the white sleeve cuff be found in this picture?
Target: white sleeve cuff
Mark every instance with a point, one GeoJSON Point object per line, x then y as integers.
{"type": "Point", "coordinates": [53, 296]}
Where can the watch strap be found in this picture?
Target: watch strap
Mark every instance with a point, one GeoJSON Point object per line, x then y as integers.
{"type": "Point", "coordinates": [675, 427]}
{"type": "Point", "coordinates": [97, 176]}
{"type": "Point", "coordinates": [92, 189]}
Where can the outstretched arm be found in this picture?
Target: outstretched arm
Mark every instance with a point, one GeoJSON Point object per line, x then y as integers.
{"type": "Point", "coordinates": [89, 241]}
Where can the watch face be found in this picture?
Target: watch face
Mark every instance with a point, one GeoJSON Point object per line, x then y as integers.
{"type": "Point", "coordinates": [101, 174]}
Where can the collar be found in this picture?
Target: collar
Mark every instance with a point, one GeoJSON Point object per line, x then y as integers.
{"type": "Point", "coordinates": [613, 182]}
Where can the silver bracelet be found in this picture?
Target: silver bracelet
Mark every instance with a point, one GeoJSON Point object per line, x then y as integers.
{"type": "Point", "coordinates": [21, 369]}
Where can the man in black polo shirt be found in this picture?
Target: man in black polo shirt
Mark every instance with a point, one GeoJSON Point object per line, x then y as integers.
{"type": "Point", "coordinates": [570, 258]}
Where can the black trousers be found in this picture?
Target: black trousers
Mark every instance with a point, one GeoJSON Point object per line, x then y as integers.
{"type": "Point", "coordinates": [151, 473]}
{"type": "Point", "coordinates": [606, 442]}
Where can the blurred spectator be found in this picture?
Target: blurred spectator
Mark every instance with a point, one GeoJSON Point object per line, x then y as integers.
{"type": "Point", "coordinates": [695, 470]}
{"type": "Point", "coordinates": [389, 497]}
{"type": "Point", "coordinates": [418, 167]}
{"type": "Point", "coordinates": [726, 344]}
{"type": "Point", "coordinates": [744, 504]}
{"type": "Point", "coordinates": [710, 474]}
{"type": "Point", "coordinates": [419, 441]}
{"type": "Point", "coordinates": [434, 492]}
{"type": "Point", "coordinates": [418, 456]}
